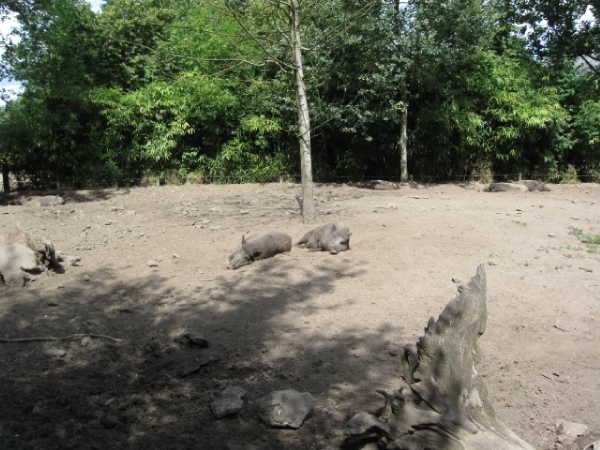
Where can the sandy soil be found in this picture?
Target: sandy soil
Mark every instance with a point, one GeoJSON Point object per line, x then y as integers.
{"type": "Point", "coordinates": [305, 320]}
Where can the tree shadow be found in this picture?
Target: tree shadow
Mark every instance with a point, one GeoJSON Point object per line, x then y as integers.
{"type": "Point", "coordinates": [152, 389]}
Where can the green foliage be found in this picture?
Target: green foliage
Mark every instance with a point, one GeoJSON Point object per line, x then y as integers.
{"type": "Point", "coordinates": [244, 158]}
{"type": "Point", "coordinates": [164, 118]}
{"type": "Point", "coordinates": [591, 240]}
{"type": "Point", "coordinates": [169, 91]}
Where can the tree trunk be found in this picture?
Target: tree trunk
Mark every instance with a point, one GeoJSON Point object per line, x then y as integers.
{"type": "Point", "coordinates": [5, 179]}
{"type": "Point", "coordinates": [308, 203]}
{"type": "Point", "coordinates": [444, 403]}
{"type": "Point", "coordinates": [403, 142]}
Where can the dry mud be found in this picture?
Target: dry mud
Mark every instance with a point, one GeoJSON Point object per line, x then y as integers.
{"type": "Point", "coordinates": [153, 267]}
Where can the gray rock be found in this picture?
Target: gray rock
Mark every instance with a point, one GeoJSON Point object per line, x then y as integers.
{"type": "Point", "coordinates": [229, 403]}
{"type": "Point", "coordinates": [130, 415]}
{"type": "Point", "coordinates": [571, 430]}
{"type": "Point", "coordinates": [259, 246]}
{"type": "Point", "coordinates": [53, 351]}
{"type": "Point", "coordinates": [287, 408]}
{"type": "Point", "coordinates": [109, 421]}
{"type": "Point", "coordinates": [195, 339]}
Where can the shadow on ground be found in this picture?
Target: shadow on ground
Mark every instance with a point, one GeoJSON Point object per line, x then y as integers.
{"type": "Point", "coordinates": [152, 389]}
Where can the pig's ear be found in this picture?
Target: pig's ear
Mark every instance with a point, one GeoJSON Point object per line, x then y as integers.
{"type": "Point", "coordinates": [243, 239]}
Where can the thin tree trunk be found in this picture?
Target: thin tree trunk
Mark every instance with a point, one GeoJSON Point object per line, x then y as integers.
{"type": "Point", "coordinates": [403, 142]}
{"type": "Point", "coordinates": [5, 179]}
{"type": "Point", "coordinates": [308, 203]}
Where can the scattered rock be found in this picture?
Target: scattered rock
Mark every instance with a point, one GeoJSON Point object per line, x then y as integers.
{"type": "Point", "coordinates": [395, 350]}
{"type": "Point", "coordinates": [130, 415]}
{"type": "Point", "coordinates": [109, 421]}
{"type": "Point", "coordinates": [569, 431]}
{"type": "Point", "coordinates": [287, 408]}
{"type": "Point", "coordinates": [229, 403]}
{"type": "Point", "coordinates": [152, 263]}
{"type": "Point", "coordinates": [195, 339]}
{"type": "Point", "coordinates": [53, 351]}
{"type": "Point", "coordinates": [593, 446]}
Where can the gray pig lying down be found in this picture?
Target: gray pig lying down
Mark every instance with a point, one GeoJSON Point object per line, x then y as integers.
{"type": "Point", "coordinates": [332, 237]}
{"type": "Point", "coordinates": [259, 246]}
{"type": "Point", "coordinates": [47, 200]}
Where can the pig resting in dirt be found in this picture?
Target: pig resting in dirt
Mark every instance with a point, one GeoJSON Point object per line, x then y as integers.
{"type": "Point", "coordinates": [332, 237]}
{"type": "Point", "coordinates": [47, 200]}
{"type": "Point", "coordinates": [534, 185]}
{"type": "Point", "coordinates": [518, 186]}
{"type": "Point", "coordinates": [259, 246]}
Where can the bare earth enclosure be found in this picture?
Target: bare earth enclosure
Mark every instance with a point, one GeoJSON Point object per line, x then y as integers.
{"type": "Point", "coordinates": [154, 267]}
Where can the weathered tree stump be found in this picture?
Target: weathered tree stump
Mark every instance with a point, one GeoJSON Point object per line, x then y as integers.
{"type": "Point", "coordinates": [444, 403]}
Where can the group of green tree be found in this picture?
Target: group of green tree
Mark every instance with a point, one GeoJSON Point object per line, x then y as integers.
{"type": "Point", "coordinates": [251, 90]}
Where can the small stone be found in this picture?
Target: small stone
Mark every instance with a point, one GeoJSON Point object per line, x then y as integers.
{"type": "Point", "coordinates": [122, 292]}
{"type": "Point", "coordinates": [86, 278]}
{"type": "Point", "coordinates": [570, 429]}
{"type": "Point", "coordinates": [551, 234]}
{"type": "Point", "coordinates": [229, 403]}
{"type": "Point", "coordinates": [491, 263]}
{"type": "Point", "coordinates": [196, 339]}
{"type": "Point", "coordinates": [130, 415]}
{"type": "Point", "coordinates": [394, 350]}
{"type": "Point", "coordinates": [287, 408]}
{"type": "Point", "coordinates": [176, 256]}
{"type": "Point", "coordinates": [54, 351]}
{"type": "Point", "coordinates": [152, 263]}
{"type": "Point", "coordinates": [85, 341]}
{"type": "Point", "coordinates": [52, 303]}
{"type": "Point", "coordinates": [109, 421]}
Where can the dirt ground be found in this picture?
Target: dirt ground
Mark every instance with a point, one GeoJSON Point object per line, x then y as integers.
{"type": "Point", "coordinates": [318, 323]}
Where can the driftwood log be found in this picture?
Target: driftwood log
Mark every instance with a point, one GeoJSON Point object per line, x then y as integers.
{"type": "Point", "coordinates": [444, 402]}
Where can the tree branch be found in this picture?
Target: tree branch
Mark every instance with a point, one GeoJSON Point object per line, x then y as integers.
{"type": "Point", "coordinates": [282, 64]}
